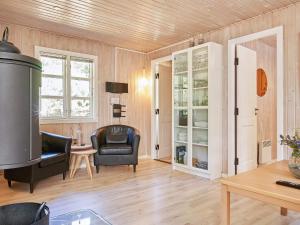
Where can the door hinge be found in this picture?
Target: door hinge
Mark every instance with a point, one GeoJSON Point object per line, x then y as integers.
{"type": "Point", "coordinates": [157, 76]}
{"type": "Point", "coordinates": [157, 147]}
{"type": "Point", "coordinates": [236, 161]}
{"type": "Point", "coordinates": [156, 111]}
{"type": "Point", "coordinates": [236, 61]}
{"type": "Point", "coordinates": [236, 111]}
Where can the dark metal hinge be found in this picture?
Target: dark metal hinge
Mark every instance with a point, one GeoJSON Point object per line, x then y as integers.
{"type": "Point", "coordinates": [156, 111]}
{"type": "Point", "coordinates": [157, 147]}
{"type": "Point", "coordinates": [236, 161]}
{"type": "Point", "coordinates": [157, 76]}
{"type": "Point", "coordinates": [236, 111]}
{"type": "Point", "coordinates": [236, 61]}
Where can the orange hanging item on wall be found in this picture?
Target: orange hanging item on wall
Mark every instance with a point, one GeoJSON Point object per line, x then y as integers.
{"type": "Point", "coordinates": [262, 82]}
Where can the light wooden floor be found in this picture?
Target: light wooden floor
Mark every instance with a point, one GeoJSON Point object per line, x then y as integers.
{"type": "Point", "coordinates": [154, 195]}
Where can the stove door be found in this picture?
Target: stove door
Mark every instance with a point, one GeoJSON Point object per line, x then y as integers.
{"type": "Point", "coordinates": [14, 114]}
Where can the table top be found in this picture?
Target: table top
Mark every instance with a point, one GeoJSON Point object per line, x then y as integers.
{"type": "Point", "coordinates": [79, 217]}
{"type": "Point", "coordinates": [84, 152]}
{"type": "Point", "coordinates": [262, 181]}
{"type": "Point", "coordinates": [81, 147]}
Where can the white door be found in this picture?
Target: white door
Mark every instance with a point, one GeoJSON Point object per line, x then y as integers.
{"type": "Point", "coordinates": [246, 103]}
{"type": "Point", "coordinates": [165, 111]}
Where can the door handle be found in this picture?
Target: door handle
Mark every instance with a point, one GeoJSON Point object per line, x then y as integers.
{"type": "Point", "coordinates": [256, 110]}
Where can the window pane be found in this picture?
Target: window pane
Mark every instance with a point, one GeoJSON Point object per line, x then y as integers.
{"type": "Point", "coordinates": [51, 107]}
{"type": "Point", "coordinates": [52, 86]}
{"type": "Point", "coordinates": [80, 88]}
{"type": "Point", "coordinates": [80, 108]}
{"type": "Point", "coordinates": [80, 68]}
{"type": "Point", "coordinates": [52, 65]}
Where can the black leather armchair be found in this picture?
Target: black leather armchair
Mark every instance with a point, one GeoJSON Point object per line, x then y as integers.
{"type": "Point", "coordinates": [116, 145]}
{"type": "Point", "coordinates": [55, 160]}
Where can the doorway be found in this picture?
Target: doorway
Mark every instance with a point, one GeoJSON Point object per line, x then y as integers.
{"type": "Point", "coordinates": [255, 93]}
{"type": "Point", "coordinates": [162, 111]}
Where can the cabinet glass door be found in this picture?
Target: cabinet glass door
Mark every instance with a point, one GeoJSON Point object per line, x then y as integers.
{"type": "Point", "coordinates": [180, 91]}
{"type": "Point", "coordinates": [200, 108]}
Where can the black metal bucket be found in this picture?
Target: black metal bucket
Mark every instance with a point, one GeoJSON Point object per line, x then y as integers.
{"type": "Point", "coordinates": [24, 214]}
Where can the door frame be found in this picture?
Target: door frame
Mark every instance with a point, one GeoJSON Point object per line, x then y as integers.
{"type": "Point", "coordinates": [155, 93]}
{"type": "Point", "coordinates": [278, 32]}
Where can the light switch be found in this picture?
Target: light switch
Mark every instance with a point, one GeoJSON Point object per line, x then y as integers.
{"type": "Point", "coordinates": [114, 100]}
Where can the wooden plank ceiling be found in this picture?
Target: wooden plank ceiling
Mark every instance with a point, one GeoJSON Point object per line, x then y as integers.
{"type": "Point", "coordinates": [143, 25]}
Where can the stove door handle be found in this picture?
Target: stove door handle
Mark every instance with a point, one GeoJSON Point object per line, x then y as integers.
{"type": "Point", "coordinates": [38, 212]}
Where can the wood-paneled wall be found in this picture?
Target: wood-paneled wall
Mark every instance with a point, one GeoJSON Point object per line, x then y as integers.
{"type": "Point", "coordinates": [129, 69]}
{"type": "Point", "coordinates": [289, 17]}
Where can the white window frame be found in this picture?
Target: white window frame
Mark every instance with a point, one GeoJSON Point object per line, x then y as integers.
{"type": "Point", "coordinates": [94, 118]}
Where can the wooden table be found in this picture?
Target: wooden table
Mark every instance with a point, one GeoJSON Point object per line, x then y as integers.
{"type": "Point", "coordinates": [81, 147]}
{"type": "Point", "coordinates": [260, 184]}
{"type": "Point", "coordinates": [77, 154]}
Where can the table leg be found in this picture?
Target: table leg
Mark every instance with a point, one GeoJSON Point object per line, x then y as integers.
{"type": "Point", "coordinates": [91, 158]}
{"type": "Point", "coordinates": [225, 219]}
{"type": "Point", "coordinates": [72, 164]}
{"type": "Point", "coordinates": [77, 164]}
{"type": "Point", "coordinates": [88, 166]}
{"type": "Point", "coordinates": [283, 211]}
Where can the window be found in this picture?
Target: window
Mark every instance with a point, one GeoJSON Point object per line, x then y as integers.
{"type": "Point", "coordinates": [68, 86]}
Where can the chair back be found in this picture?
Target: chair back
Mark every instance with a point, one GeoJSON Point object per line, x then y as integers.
{"type": "Point", "coordinates": [117, 134]}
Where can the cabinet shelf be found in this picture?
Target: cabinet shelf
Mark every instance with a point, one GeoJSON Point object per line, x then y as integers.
{"type": "Point", "coordinates": [199, 107]}
{"type": "Point", "coordinates": [199, 88]}
{"type": "Point", "coordinates": [180, 89]}
{"type": "Point", "coordinates": [181, 127]}
{"type": "Point", "coordinates": [180, 107]}
{"type": "Point", "coordinates": [180, 73]}
{"type": "Point", "coordinates": [201, 128]}
{"type": "Point", "coordinates": [200, 144]}
{"type": "Point", "coordinates": [200, 70]}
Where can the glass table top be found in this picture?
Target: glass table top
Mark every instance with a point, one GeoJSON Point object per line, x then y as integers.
{"type": "Point", "coordinates": [81, 217]}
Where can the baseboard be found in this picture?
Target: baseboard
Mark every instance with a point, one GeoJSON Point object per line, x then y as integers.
{"type": "Point", "coordinates": [224, 175]}
{"type": "Point", "coordinates": [144, 157]}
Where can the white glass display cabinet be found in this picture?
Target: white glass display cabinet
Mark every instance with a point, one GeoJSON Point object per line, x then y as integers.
{"type": "Point", "coordinates": [197, 110]}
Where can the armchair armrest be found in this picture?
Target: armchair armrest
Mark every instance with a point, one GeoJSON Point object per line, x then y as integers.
{"type": "Point", "coordinates": [55, 143]}
{"type": "Point", "coordinates": [98, 138]}
{"type": "Point", "coordinates": [135, 144]}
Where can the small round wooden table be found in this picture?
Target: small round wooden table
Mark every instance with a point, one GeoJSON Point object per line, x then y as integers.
{"type": "Point", "coordinates": [77, 154]}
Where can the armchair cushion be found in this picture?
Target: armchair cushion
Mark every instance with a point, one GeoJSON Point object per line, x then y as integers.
{"type": "Point", "coordinates": [116, 139]}
{"type": "Point", "coordinates": [116, 149]}
{"type": "Point", "coordinates": [52, 158]}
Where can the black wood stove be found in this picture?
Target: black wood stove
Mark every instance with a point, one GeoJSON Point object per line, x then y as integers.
{"type": "Point", "coordinates": [20, 80]}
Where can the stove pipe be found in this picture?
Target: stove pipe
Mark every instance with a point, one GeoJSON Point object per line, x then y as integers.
{"type": "Point", "coordinates": [20, 81]}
